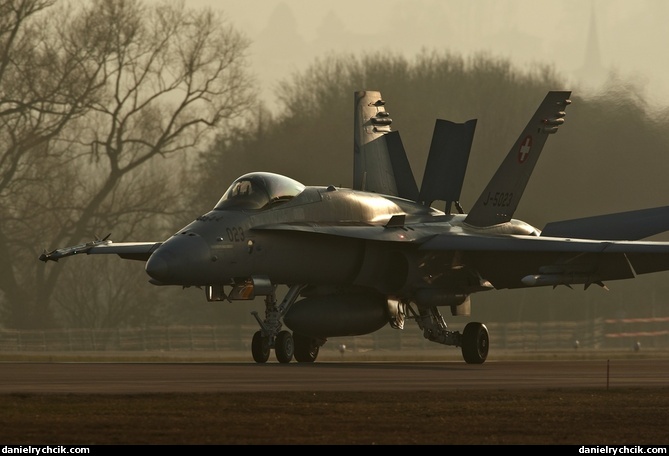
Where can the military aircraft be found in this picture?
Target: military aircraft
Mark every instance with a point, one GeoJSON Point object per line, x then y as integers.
{"type": "Point", "coordinates": [356, 259]}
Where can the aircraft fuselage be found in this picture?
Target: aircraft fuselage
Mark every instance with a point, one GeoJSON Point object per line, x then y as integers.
{"type": "Point", "coordinates": [320, 237]}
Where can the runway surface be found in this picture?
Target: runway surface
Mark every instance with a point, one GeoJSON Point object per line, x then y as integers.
{"type": "Point", "coordinates": [125, 378]}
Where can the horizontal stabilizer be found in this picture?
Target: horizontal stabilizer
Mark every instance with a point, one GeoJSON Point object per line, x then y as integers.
{"type": "Point", "coordinates": [632, 225]}
{"type": "Point", "coordinates": [447, 162]}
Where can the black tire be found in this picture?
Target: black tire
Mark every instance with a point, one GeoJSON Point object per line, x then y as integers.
{"type": "Point", "coordinates": [475, 343]}
{"type": "Point", "coordinates": [306, 348]}
{"type": "Point", "coordinates": [260, 348]}
{"type": "Point", "coordinates": [284, 347]}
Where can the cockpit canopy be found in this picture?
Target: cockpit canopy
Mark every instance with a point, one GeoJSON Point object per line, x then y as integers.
{"type": "Point", "coordinates": [259, 190]}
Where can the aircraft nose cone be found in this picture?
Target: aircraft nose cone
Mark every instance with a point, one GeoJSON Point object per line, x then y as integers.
{"type": "Point", "coordinates": [157, 266]}
{"type": "Point", "coordinates": [181, 260]}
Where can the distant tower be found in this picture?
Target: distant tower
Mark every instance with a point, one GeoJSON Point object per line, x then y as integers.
{"type": "Point", "coordinates": [592, 74]}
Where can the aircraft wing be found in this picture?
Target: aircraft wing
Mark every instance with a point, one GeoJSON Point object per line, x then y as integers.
{"type": "Point", "coordinates": [128, 250]}
{"type": "Point", "coordinates": [512, 261]}
{"type": "Point", "coordinates": [520, 261]}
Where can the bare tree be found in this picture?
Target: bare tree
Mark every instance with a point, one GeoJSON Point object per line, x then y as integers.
{"type": "Point", "coordinates": [41, 90]}
{"type": "Point", "coordinates": [145, 83]}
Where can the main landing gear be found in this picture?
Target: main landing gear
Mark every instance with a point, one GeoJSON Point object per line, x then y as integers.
{"type": "Point", "coordinates": [271, 335]}
{"type": "Point", "coordinates": [474, 340]}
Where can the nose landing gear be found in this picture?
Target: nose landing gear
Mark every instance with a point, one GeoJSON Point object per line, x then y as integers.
{"type": "Point", "coordinates": [271, 335]}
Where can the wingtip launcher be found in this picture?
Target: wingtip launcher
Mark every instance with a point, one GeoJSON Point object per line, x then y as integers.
{"type": "Point", "coordinates": [57, 254]}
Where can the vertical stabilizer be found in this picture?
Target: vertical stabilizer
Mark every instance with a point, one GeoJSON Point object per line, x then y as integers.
{"type": "Point", "coordinates": [379, 161]}
{"type": "Point", "coordinates": [500, 198]}
{"type": "Point", "coordinates": [447, 162]}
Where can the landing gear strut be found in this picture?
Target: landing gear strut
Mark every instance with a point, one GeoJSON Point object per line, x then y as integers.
{"type": "Point", "coordinates": [271, 334]}
{"type": "Point", "coordinates": [474, 340]}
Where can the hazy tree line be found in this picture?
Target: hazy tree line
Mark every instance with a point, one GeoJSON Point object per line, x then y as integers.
{"type": "Point", "coordinates": [123, 117]}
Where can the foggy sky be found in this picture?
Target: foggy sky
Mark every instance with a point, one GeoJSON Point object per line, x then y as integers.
{"type": "Point", "coordinates": [629, 38]}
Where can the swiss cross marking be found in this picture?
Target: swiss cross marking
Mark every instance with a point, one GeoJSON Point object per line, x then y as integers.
{"type": "Point", "coordinates": [524, 150]}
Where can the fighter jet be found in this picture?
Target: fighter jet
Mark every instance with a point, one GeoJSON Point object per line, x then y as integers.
{"type": "Point", "coordinates": [353, 260]}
